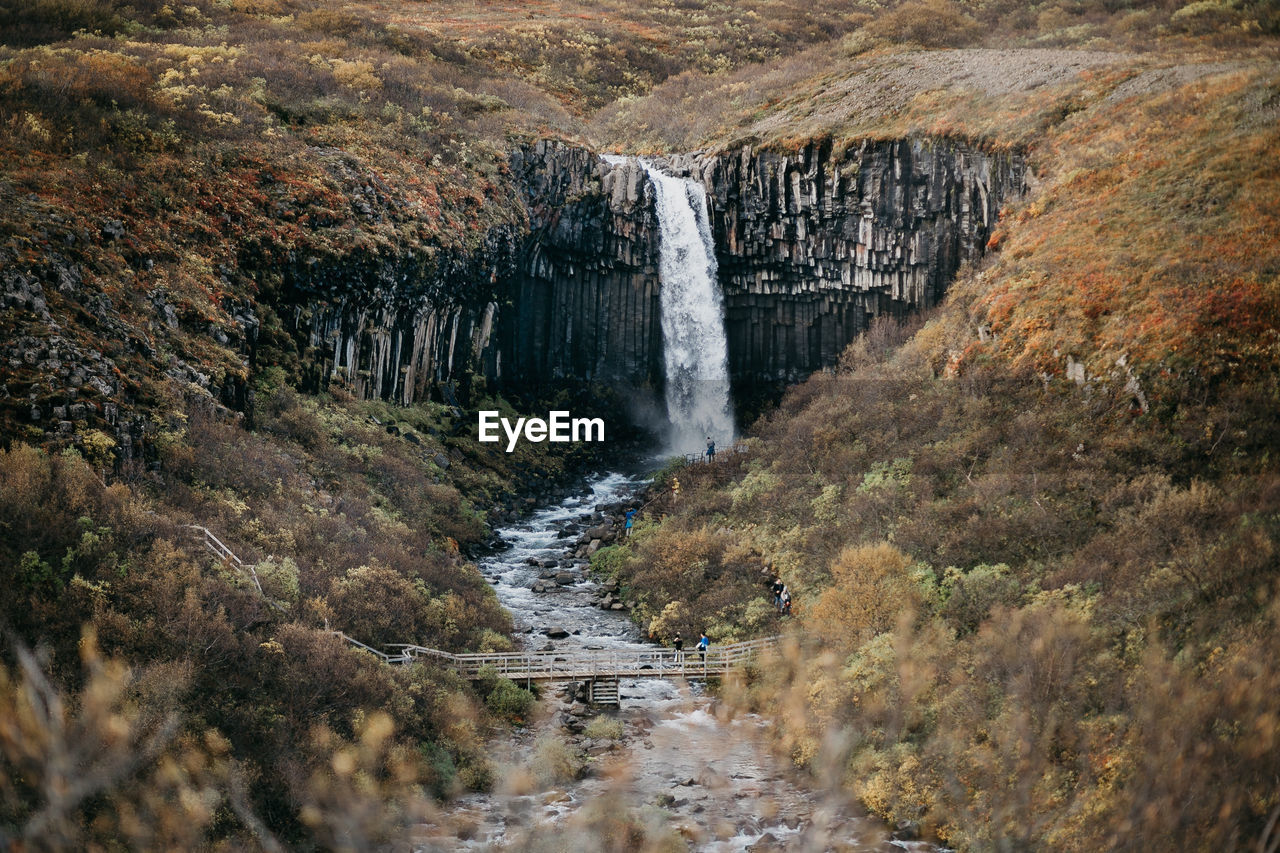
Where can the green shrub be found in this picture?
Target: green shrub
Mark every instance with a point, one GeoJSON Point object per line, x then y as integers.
{"type": "Point", "coordinates": [508, 700]}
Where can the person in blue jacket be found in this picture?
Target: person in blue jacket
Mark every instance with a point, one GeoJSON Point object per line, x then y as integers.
{"type": "Point", "coordinates": [703, 645]}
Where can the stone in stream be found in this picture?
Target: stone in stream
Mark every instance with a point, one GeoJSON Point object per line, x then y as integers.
{"type": "Point", "coordinates": [556, 633]}
{"type": "Point", "coordinates": [595, 533]}
{"type": "Point", "coordinates": [565, 578]}
{"type": "Point", "coordinates": [765, 843]}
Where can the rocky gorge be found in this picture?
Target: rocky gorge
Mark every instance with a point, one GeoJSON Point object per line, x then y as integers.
{"type": "Point", "coordinates": [812, 244]}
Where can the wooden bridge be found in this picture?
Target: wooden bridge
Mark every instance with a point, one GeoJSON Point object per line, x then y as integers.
{"type": "Point", "coordinates": [599, 669]}
{"type": "Point", "coordinates": [584, 664]}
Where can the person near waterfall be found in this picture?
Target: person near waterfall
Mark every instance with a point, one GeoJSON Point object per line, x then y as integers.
{"type": "Point", "coordinates": [711, 450]}
{"type": "Point", "coordinates": [703, 645]}
{"type": "Point", "coordinates": [679, 647]}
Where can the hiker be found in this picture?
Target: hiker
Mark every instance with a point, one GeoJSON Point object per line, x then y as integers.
{"type": "Point", "coordinates": [778, 587]}
{"type": "Point", "coordinates": [631, 515]}
{"type": "Point", "coordinates": [785, 609]}
{"type": "Point", "coordinates": [703, 645]}
{"type": "Point", "coordinates": [711, 450]}
{"type": "Point", "coordinates": [679, 644]}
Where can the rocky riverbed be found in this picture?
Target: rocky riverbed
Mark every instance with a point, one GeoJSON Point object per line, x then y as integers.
{"type": "Point", "coordinates": [671, 767]}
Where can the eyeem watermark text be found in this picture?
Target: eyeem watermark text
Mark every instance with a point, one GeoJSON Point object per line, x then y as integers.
{"type": "Point", "coordinates": [559, 426]}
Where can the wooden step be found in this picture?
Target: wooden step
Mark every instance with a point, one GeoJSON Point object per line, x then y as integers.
{"type": "Point", "coordinates": [604, 691]}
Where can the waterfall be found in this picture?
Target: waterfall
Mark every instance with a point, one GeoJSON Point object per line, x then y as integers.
{"type": "Point", "coordinates": [694, 344]}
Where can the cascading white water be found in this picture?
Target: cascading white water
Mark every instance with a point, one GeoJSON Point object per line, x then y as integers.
{"type": "Point", "coordinates": [693, 338]}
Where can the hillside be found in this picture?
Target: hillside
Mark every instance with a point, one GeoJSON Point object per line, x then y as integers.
{"type": "Point", "coordinates": [1031, 536]}
{"type": "Point", "coordinates": [252, 252]}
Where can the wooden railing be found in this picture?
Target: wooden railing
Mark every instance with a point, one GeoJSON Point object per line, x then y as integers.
{"type": "Point", "coordinates": [694, 458]}
{"type": "Point", "coordinates": [570, 664]}
{"type": "Point", "coordinates": [225, 554]}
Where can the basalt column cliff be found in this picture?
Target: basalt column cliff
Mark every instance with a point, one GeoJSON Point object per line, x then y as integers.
{"type": "Point", "coordinates": [584, 304]}
{"type": "Point", "coordinates": [811, 246]}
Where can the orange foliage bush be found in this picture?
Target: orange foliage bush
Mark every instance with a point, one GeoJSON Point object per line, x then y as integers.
{"type": "Point", "coordinates": [869, 587]}
{"type": "Point", "coordinates": [932, 23]}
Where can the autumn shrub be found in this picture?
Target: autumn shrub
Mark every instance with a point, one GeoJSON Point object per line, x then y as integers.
{"type": "Point", "coordinates": [379, 606]}
{"type": "Point", "coordinates": [92, 767]}
{"type": "Point", "coordinates": [869, 586]}
{"type": "Point", "coordinates": [932, 23]}
{"type": "Point", "coordinates": [970, 596]}
{"type": "Point", "coordinates": [553, 762]}
{"type": "Point", "coordinates": [603, 727]}
{"type": "Point", "coordinates": [23, 24]}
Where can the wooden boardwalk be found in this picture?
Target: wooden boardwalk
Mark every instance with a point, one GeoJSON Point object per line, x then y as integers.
{"type": "Point", "coordinates": [587, 664]}
{"type": "Point", "coordinates": [600, 668]}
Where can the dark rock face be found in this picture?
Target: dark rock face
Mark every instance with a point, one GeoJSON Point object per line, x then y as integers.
{"type": "Point", "coordinates": [814, 244]}
{"type": "Point", "coordinates": [390, 325]}
{"type": "Point", "coordinates": [585, 302]}
{"type": "Point", "coordinates": [811, 245]}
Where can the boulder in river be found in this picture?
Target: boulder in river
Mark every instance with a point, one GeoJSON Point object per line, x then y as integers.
{"type": "Point", "coordinates": [556, 633]}
{"type": "Point", "coordinates": [765, 843]}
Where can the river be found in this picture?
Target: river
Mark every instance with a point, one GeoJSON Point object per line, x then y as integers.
{"type": "Point", "coordinates": [683, 773]}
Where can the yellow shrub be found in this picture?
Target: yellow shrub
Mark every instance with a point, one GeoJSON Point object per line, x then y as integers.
{"type": "Point", "coordinates": [870, 587]}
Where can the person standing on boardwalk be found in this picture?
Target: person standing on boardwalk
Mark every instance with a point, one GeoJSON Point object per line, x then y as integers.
{"type": "Point", "coordinates": [679, 645]}
{"type": "Point", "coordinates": [711, 450]}
{"type": "Point", "coordinates": [703, 645]}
